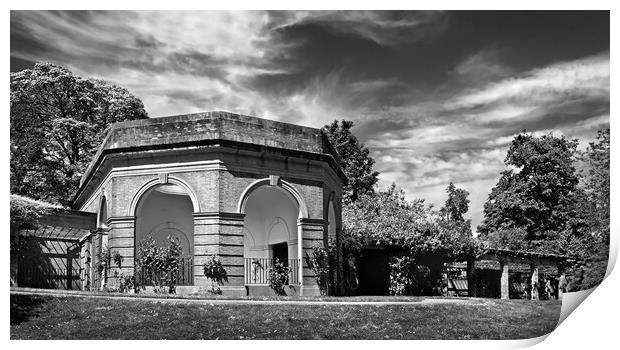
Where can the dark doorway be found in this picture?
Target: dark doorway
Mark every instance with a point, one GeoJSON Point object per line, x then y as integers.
{"type": "Point", "coordinates": [373, 272]}
{"type": "Point", "coordinates": [280, 252]}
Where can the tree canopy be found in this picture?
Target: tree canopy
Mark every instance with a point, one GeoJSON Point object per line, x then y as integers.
{"type": "Point", "coordinates": [544, 204]}
{"type": "Point", "coordinates": [386, 219]}
{"type": "Point", "coordinates": [456, 205]}
{"type": "Point", "coordinates": [355, 160]}
{"type": "Point", "coordinates": [535, 195]}
{"type": "Point", "coordinates": [57, 121]}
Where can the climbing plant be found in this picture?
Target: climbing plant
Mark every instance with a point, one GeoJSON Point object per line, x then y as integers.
{"type": "Point", "coordinates": [278, 276]}
{"type": "Point", "coordinates": [215, 272]}
{"type": "Point", "coordinates": [318, 261]}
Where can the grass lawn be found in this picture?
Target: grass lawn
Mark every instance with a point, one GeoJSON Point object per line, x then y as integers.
{"type": "Point", "coordinates": [75, 317]}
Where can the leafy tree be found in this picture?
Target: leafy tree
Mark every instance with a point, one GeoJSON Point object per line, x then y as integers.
{"type": "Point", "coordinates": [534, 196]}
{"type": "Point", "coordinates": [545, 205]}
{"type": "Point", "coordinates": [590, 239]}
{"type": "Point", "coordinates": [57, 121]}
{"type": "Point", "coordinates": [456, 205]}
{"type": "Point", "coordinates": [355, 160]}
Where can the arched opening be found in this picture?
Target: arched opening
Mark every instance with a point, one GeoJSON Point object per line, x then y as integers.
{"type": "Point", "coordinates": [163, 211]}
{"type": "Point", "coordinates": [270, 232]}
{"type": "Point", "coordinates": [331, 220]}
{"type": "Point", "coordinates": [102, 216]}
{"type": "Point", "coordinates": [166, 210]}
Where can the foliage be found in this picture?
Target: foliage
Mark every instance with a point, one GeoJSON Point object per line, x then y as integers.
{"type": "Point", "coordinates": [545, 205]}
{"type": "Point", "coordinates": [278, 276]}
{"type": "Point", "coordinates": [401, 276]}
{"type": "Point", "coordinates": [126, 283]}
{"type": "Point", "coordinates": [318, 261]}
{"type": "Point", "coordinates": [535, 195]}
{"type": "Point", "coordinates": [355, 160]}
{"type": "Point", "coordinates": [409, 230]}
{"type": "Point", "coordinates": [57, 121]}
{"type": "Point", "coordinates": [387, 219]}
{"type": "Point", "coordinates": [456, 205]}
{"type": "Point", "coordinates": [104, 257]}
{"type": "Point", "coordinates": [409, 277]}
{"type": "Point", "coordinates": [214, 270]}
{"type": "Point", "coordinates": [161, 264]}
{"type": "Point", "coordinates": [117, 258]}
{"type": "Point", "coordinates": [591, 233]}
{"type": "Point", "coordinates": [26, 211]}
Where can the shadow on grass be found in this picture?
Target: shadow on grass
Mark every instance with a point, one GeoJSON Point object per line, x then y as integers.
{"type": "Point", "coordinates": [24, 307]}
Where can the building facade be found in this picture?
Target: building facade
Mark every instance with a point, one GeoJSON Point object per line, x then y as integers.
{"type": "Point", "coordinates": [245, 189]}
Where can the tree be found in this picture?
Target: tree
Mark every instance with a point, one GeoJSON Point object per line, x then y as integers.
{"type": "Point", "coordinates": [354, 160]}
{"type": "Point", "coordinates": [590, 240]}
{"type": "Point", "coordinates": [57, 121]}
{"type": "Point", "coordinates": [456, 205]}
{"type": "Point", "coordinates": [536, 195]}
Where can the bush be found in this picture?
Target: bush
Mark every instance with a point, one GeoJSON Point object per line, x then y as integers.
{"type": "Point", "coordinates": [278, 276]}
{"type": "Point", "coordinates": [319, 263]}
{"type": "Point", "coordinates": [215, 272]}
{"type": "Point", "coordinates": [409, 276]}
{"type": "Point", "coordinates": [160, 264]}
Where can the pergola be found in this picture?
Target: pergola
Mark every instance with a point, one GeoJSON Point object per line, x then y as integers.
{"type": "Point", "coordinates": [507, 257]}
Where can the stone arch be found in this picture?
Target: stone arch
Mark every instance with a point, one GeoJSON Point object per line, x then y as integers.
{"type": "Point", "coordinates": [303, 209]}
{"type": "Point", "coordinates": [272, 211]}
{"type": "Point", "coordinates": [164, 209]}
{"type": "Point", "coordinates": [149, 185]}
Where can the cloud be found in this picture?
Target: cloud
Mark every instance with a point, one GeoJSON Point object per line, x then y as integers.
{"type": "Point", "coordinates": [483, 66]}
{"type": "Point", "coordinates": [434, 103]}
{"type": "Point", "coordinates": [387, 28]}
{"type": "Point", "coordinates": [579, 79]}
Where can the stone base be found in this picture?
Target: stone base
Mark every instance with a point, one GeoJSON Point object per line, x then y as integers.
{"type": "Point", "coordinates": [261, 290]}
{"type": "Point", "coordinates": [311, 291]}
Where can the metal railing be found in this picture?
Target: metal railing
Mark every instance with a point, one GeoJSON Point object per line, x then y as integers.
{"type": "Point", "coordinates": [184, 276]}
{"type": "Point", "coordinates": [50, 278]}
{"type": "Point", "coordinates": [256, 270]}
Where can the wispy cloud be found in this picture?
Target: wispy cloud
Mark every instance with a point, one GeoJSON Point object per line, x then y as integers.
{"type": "Point", "coordinates": [387, 28]}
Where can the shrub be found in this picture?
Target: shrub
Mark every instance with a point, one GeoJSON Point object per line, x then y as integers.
{"type": "Point", "coordinates": [278, 276]}
{"type": "Point", "coordinates": [215, 272]}
{"type": "Point", "coordinates": [319, 263]}
{"type": "Point", "coordinates": [160, 265]}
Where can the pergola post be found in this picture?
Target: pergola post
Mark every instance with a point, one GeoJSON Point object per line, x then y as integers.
{"type": "Point", "coordinates": [534, 281]}
{"type": "Point", "coordinates": [561, 282]}
{"type": "Point", "coordinates": [471, 277]}
{"type": "Point", "coordinates": [504, 285]}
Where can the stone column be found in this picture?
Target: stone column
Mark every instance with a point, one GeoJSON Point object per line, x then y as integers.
{"type": "Point", "coordinates": [121, 239]}
{"type": "Point", "coordinates": [504, 281]}
{"type": "Point", "coordinates": [534, 281]}
{"type": "Point", "coordinates": [103, 238]}
{"type": "Point", "coordinates": [472, 282]}
{"type": "Point", "coordinates": [219, 234]}
{"type": "Point", "coordinates": [311, 231]}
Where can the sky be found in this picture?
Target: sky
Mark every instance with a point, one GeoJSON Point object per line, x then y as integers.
{"type": "Point", "coordinates": [436, 96]}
